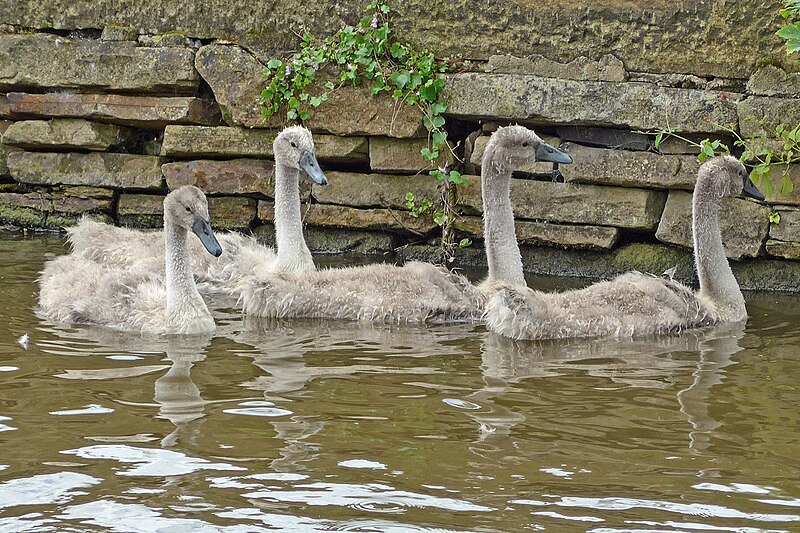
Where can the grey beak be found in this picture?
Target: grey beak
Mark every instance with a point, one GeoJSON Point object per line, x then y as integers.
{"type": "Point", "coordinates": [545, 152]}
{"type": "Point", "coordinates": [751, 190]}
{"type": "Point", "coordinates": [308, 162]}
{"type": "Point", "coordinates": [202, 228]}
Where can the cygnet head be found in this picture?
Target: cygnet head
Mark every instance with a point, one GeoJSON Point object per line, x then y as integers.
{"type": "Point", "coordinates": [518, 146]}
{"type": "Point", "coordinates": [726, 176]}
{"type": "Point", "coordinates": [187, 208]}
{"type": "Point", "coordinates": [294, 147]}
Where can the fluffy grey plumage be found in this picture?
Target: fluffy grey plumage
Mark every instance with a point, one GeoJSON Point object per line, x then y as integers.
{"type": "Point", "coordinates": [140, 251]}
{"type": "Point", "coordinates": [414, 293]}
{"type": "Point", "coordinates": [633, 304]}
{"type": "Point", "coordinates": [76, 289]}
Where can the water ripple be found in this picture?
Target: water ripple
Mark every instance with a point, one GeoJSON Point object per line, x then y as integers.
{"type": "Point", "coordinates": [91, 409]}
{"type": "Point", "coordinates": [152, 462]}
{"type": "Point", "coordinates": [44, 489]}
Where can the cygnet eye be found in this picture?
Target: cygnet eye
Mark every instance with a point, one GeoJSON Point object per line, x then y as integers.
{"type": "Point", "coordinates": [293, 144]}
{"type": "Point", "coordinates": [189, 209]}
{"type": "Point", "coordinates": [525, 144]}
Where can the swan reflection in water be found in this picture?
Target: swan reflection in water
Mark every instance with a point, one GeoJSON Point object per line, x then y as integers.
{"type": "Point", "coordinates": [657, 362]}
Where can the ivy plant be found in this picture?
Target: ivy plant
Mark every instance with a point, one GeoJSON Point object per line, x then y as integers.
{"type": "Point", "coordinates": [791, 31]}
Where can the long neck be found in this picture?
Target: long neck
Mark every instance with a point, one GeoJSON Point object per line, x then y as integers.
{"type": "Point", "coordinates": [502, 250]}
{"type": "Point", "coordinates": [293, 254]}
{"type": "Point", "coordinates": [717, 282]}
{"type": "Point", "coordinates": [180, 285]}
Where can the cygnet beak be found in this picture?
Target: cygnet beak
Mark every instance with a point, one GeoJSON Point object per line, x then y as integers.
{"type": "Point", "coordinates": [545, 152]}
{"type": "Point", "coordinates": [308, 162]}
{"type": "Point", "coordinates": [751, 190]}
{"type": "Point", "coordinates": [202, 228]}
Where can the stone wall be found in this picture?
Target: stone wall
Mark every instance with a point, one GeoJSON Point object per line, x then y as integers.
{"type": "Point", "coordinates": [104, 106]}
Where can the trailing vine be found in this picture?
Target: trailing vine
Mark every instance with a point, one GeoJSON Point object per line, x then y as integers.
{"type": "Point", "coordinates": [369, 53]}
{"type": "Point", "coordinates": [791, 31]}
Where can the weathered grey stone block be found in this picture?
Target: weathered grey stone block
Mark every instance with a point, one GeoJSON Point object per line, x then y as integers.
{"type": "Point", "coordinates": [633, 105]}
{"type": "Point", "coordinates": [629, 169]}
{"type": "Point", "coordinates": [141, 210]}
{"type": "Point", "coordinates": [46, 61]}
{"type": "Point", "coordinates": [402, 155]}
{"type": "Point", "coordinates": [605, 137]}
{"type": "Point", "coordinates": [374, 190]}
{"type": "Point", "coordinates": [321, 240]}
{"type": "Point", "coordinates": [5, 108]}
{"type": "Point", "coordinates": [548, 234]}
{"type": "Point", "coordinates": [770, 80]}
{"type": "Point", "coordinates": [200, 141]}
{"type": "Point", "coordinates": [785, 249]}
{"type": "Point", "coordinates": [64, 133]}
{"type": "Point", "coordinates": [120, 171]}
{"type": "Point", "coordinates": [237, 79]}
{"type": "Point", "coordinates": [608, 68]}
{"type": "Point", "coordinates": [744, 224]}
{"type": "Point", "coordinates": [44, 209]}
{"type": "Point", "coordinates": [232, 212]}
{"type": "Point", "coordinates": [141, 111]}
{"type": "Point", "coordinates": [594, 205]}
{"type": "Point", "coordinates": [337, 216]}
{"type": "Point", "coordinates": [5, 150]}
{"type": "Point", "coordinates": [761, 115]}
{"type": "Point", "coordinates": [789, 227]}
{"type": "Point", "coordinates": [116, 32]}
{"type": "Point", "coordinates": [238, 176]}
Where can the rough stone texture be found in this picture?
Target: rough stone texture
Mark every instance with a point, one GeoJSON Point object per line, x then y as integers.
{"type": "Point", "coordinates": [402, 155]}
{"type": "Point", "coordinates": [605, 137]}
{"type": "Point", "coordinates": [44, 209]}
{"type": "Point", "coordinates": [96, 169]}
{"type": "Point", "coordinates": [5, 109]}
{"type": "Point", "coordinates": [43, 61]}
{"type": "Point", "coordinates": [237, 79]}
{"type": "Point", "coordinates": [238, 176]}
{"type": "Point", "coordinates": [743, 223]}
{"type": "Point", "coordinates": [374, 190]}
{"type": "Point", "coordinates": [64, 133]}
{"type": "Point", "coordinates": [5, 150]}
{"type": "Point", "coordinates": [785, 249]}
{"type": "Point", "coordinates": [141, 210]}
{"type": "Point", "coordinates": [629, 169]}
{"type": "Point", "coordinates": [141, 111]}
{"type": "Point", "coordinates": [761, 114]}
{"type": "Point", "coordinates": [115, 32]}
{"type": "Point", "coordinates": [637, 106]}
{"type": "Point", "coordinates": [774, 81]}
{"type": "Point", "coordinates": [542, 233]}
{"type": "Point", "coordinates": [594, 205]}
{"type": "Point", "coordinates": [608, 68]}
{"type": "Point", "coordinates": [789, 227]}
{"type": "Point", "coordinates": [336, 241]}
{"type": "Point", "coordinates": [200, 141]}
{"type": "Point", "coordinates": [337, 216]}
{"type": "Point", "coordinates": [147, 211]}
{"type": "Point", "coordinates": [232, 212]}
{"type": "Point", "coordinates": [723, 38]}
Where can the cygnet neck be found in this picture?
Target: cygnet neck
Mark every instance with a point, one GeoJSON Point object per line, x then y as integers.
{"type": "Point", "coordinates": [180, 285]}
{"type": "Point", "coordinates": [293, 252]}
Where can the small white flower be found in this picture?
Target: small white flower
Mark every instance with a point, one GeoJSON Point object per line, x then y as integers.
{"type": "Point", "coordinates": [374, 23]}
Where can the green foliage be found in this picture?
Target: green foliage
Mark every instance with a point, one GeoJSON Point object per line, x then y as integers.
{"type": "Point", "coordinates": [774, 217]}
{"type": "Point", "coordinates": [791, 32]}
{"type": "Point", "coordinates": [366, 53]}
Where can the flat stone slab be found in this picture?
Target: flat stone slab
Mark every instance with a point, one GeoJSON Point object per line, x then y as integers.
{"type": "Point", "coordinates": [238, 176]}
{"type": "Point", "coordinates": [572, 203]}
{"type": "Point", "coordinates": [639, 106]}
{"type": "Point", "coordinates": [237, 79]}
{"type": "Point", "coordinates": [147, 211]}
{"type": "Point", "coordinates": [770, 80]}
{"type": "Point", "coordinates": [403, 155]}
{"type": "Point", "coordinates": [743, 223]}
{"type": "Point", "coordinates": [44, 61]}
{"type": "Point", "coordinates": [64, 133]}
{"type": "Point", "coordinates": [57, 209]}
{"type": "Point", "coordinates": [337, 216]}
{"type": "Point", "coordinates": [222, 141]}
{"type": "Point", "coordinates": [375, 190]}
{"type": "Point", "coordinates": [785, 249]}
{"type": "Point", "coordinates": [119, 171]}
{"type": "Point", "coordinates": [5, 150]}
{"type": "Point", "coordinates": [5, 109]}
{"type": "Point", "coordinates": [150, 112]}
{"type": "Point", "coordinates": [549, 234]}
{"type": "Point", "coordinates": [629, 169]}
{"type": "Point", "coordinates": [789, 227]}
{"type": "Point", "coordinates": [608, 68]}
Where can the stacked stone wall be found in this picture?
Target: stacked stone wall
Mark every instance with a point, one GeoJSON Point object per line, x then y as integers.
{"type": "Point", "coordinates": [101, 113]}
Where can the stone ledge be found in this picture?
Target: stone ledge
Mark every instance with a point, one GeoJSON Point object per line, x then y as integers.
{"type": "Point", "coordinates": [403, 155]}
{"type": "Point", "coordinates": [64, 133]}
{"type": "Point", "coordinates": [45, 61]}
{"type": "Point", "coordinates": [150, 112]}
{"type": "Point", "coordinates": [637, 106]}
{"type": "Point", "coordinates": [374, 190]}
{"type": "Point", "coordinates": [237, 176]}
{"type": "Point", "coordinates": [743, 223]}
{"type": "Point", "coordinates": [336, 216]}
{"type": "Point", "coordinates": [221, 141]}
{"type": "Point", "coordinates": [57, 209]}
{"type": "Point", "coordinates": [119, 171]}
{"type": "Point", "coordinates": [548, 234]}
{"type": "Point", "coordinates": [322, 240]}
{"type": "Point", "coordinates": [787, 250]}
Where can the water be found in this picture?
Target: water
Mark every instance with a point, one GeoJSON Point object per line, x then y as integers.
{"type": "Point", "coordinates": [317, 426]}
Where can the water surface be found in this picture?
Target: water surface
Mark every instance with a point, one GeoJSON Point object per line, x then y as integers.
{"type": "Point", "coordinates": [304, 425]}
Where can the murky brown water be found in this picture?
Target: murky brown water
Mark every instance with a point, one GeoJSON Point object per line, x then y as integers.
{"type": "Point", "coordinates": [317, 426]}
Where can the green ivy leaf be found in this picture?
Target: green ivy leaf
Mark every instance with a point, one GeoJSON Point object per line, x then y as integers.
{"type": "Point", "coordinates": [464, 243]}
{"type": "Point", "coordinates": [274, 64]}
